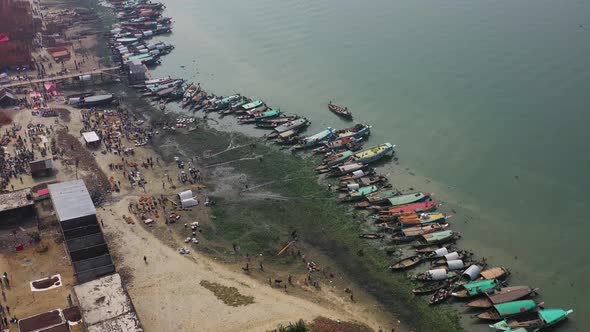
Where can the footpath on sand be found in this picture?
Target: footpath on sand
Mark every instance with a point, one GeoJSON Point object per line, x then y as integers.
{"type": "Point", "coordinates": [168, 296]}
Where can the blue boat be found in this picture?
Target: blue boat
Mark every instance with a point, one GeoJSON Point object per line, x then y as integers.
{"type": "Point", "coordinates": [316, 139]}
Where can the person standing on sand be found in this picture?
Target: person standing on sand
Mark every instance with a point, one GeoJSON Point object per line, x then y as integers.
{"type": "Point", "coordinates": [145, 259]}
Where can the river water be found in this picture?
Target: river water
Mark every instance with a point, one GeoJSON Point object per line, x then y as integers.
{"type": "Point", "coordinates": [487, 102]}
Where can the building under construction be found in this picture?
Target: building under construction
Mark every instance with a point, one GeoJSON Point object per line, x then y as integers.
{"type": "Point", "coordinates": [20, 23]}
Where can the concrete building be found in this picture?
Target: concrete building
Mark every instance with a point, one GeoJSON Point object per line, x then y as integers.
{"type": "Point", "coordinates": [84, 239]}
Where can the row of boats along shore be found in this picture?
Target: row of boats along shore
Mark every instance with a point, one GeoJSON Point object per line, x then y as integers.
{"type": "Point", "coordinates": [410, 220]}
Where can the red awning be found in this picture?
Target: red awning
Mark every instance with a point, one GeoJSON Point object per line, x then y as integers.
{"type": "Point", "coordinates": [43, 192]}
{"type": "Point", "coordinates": [3, 38]}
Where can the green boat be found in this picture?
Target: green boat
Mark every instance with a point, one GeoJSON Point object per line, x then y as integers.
{"type": "Point", "coordinates": [533, 320]}
{"type": "Point", "coordinates": [381, 196]}
{"type": "Point", "coordinates": [252, 105]}
{"type": "Point", "coordinates": [358, 194]}
{"type": "Point", "coordinates": [477, 288]}
{"type": "Point", "coordinates": [436, 238]}
{"type": "Point", "coordinates": [408, 199]}
{"type": "Point", "coordinates": [508, 309]}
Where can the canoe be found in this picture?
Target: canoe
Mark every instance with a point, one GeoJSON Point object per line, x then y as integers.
{"type": "Point", "coordinates": [374, 153]}
{"type": "Point", "coordinates": [430, 287]}
{"type": "Point", "coordinates": [408, 199]}
{"type": "Point", "coordinates": [495, 273]}
{"type": "Point", "coordinates": [422, 219]}
{"type": "Point", "coordinates": [450, 256]}
{"type": "Point", "coordinates": [409, 234]}
{"type": "Point", "coordinates": [407, 263]}
{"type": "Point", "coordinates": [252, 105]}
{"type": "Point", "coordinates": [502, 295]}
{"type": "Point", "coordinates": [476, 288]}
{"type": "Point", "coordinates": [436, 275]}
{"type": "Point", "coordinates": [357, 131]}
{"type": "Point", "coordinates": [509, 309]}
{"type": "Point", "coordinates": [358, 194]}
{"type": "Point", "coordinates": [340, 111]}
{"type": "Point", "coordinates": [437, 238]}
{"type": "Point", "coordinates": [533, 320]}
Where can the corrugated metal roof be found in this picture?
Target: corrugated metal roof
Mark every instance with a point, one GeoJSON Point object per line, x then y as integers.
{"type": "Point", "coordinates": [71, 200]}
{"type": "Point", "coordinates": [90, 137]}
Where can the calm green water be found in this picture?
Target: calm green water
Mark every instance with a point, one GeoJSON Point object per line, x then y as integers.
{"type": "Point", "coordinates": [486, 100]}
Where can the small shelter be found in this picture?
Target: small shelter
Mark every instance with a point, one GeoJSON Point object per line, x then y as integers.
{"type": "Point", "coordinates": [16, 207]}
{"type": "Point", "coordinates": [91, 139]}
{"type": "Point", "coordinates": [7, 97]}
{"type": "Point", "coordinates": [41, 168]}
{"type": "Point", "coordinates": [187, 200]}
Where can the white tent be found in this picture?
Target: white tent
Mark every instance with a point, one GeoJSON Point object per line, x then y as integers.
{"type": "Point", "coordinates": [185, 195]}
{"type": "Point", "coordinates": [189, 202]}
{"type": "Point", "coordinates": [91, 137]}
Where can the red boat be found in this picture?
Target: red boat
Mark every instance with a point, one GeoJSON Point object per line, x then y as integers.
{"type": "Point", "coordinates": [398, 211]}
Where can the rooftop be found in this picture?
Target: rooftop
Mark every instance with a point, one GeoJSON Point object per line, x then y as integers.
{"type": "Point", "coordinates": [90, 137]}
{"type": "Point", "coordinates": [15, 199]}
{"type": "Point", "coordinates": [71, 200]}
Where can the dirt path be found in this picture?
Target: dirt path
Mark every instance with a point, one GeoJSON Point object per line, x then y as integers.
{"type": "Point", "coordinates": [168, 297]}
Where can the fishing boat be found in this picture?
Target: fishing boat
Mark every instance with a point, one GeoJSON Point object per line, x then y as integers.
{"type": "Point", "coordinates": [509, 309]}
{"type": "Point", "coordinates": [273, 123]}
{"type": "Point", "coordinates": [476, 288]}
{"type": "Point", "coordinates": [408, 199]}
{"type": "Point", "coordinates": [357, 131]}
{"type": "Point", "coordinates": [462, 254]}
{"type": "Point", "coordinates": [358, 194]}
{"type": "Point", "coordinates": [423, 218]}
{"type": "Point", "coordinates": [407, 209]}
{"type": "Point", "coordinates": [252, 105]}
{"type": "Point", "coordinates": [436, 238]}
{"type": "Point", "coordinates": [347, 169]}
{"type": "Point", "coordinates": [430, 287]}
{"type": "Point", "coordinates": [301, 122]}
{"type": "Point", "coordinates": [434, 248]}
{"type": "Point", "coordinates": [533, 320]}
{"type": "Point", "coordinates": [495, 273]}
{"type": "Point", "coordinates": [406, 263]}
{"type": "Point", "coordinates": [410, 234]}
{"type": "Point", "coordinates": [441, 295]}
{"type": "Point", "coordinates": [502, 295]}
{"type": "Point", "coordinates": [340, 111]}
{"type": "Point", "coordinates": [362, 181]}
{"type": "Point", "coordinates": [336, 144]}
{"type": "Point", "coordinates": [436, 275]}
{"type": "Point", "coordinates": [313, 140]}
{"type": "Point", "coordinates": [373, 154]}
{"type": "Point", "coordinates": [226, 102]}
{"type": "Point", "coordinates": [91, 100]}
{"type": "Point", "coordinates": [260, 116]}
{"type": "Point", "coordinates": [334, 160]}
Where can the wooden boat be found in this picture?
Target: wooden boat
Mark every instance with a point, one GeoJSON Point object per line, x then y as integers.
{"type": "Point", "coordinates": [441, 295]}
{"type": "Point", "coordinates": [502, 295]}
{"type": "Point", "coordinates": [358, 194]}
{"type": "Point", "coordinates": [533, 320]}
{"type": "Point", "coordinates": [495, 273]}
{"type": "Point", "coordinates": [407, 263]}
{"type": "Point", "coordinates": [476, 288]}
{"type": "Point", "coordinates": [430, 249]}
{"type": "Point", "coordinates": [470, 274]}
{"type": "Point", "coordinates": [316, 139]}
{"type": "Point", "coordinates": [373, 154]}
{"type": "Point", "coordinates": [91, 100]}
{"type": "Point", "coordinates": [423, 218]}
{"type": "Point", "coordinates": [408, 199]}
{"type": "Point", "coordinates": [509, 309]}
{"type": "Point", "coordinates": [260, 116]}
{"type": "Point", "coordinates": [371, 236]}
{"type": "Point", "coordinates": [409, 234]}
{"type": "Point", "coordinates": [335, 160]}
{"type": "Point", "coordinates": [436, 275]}
{"type": "Point", "coordinates": [430, 287]}
{"type": "Point", "coordinates": [347, 169]}
{"type": "Point", "coordinates": [337, 144]}
{"type": "Point", "coordinates": [273, 123]}
{"type": "Point", "coordinates": [340, 111]}
{"type": "Point", "coordinates": [297, 123]}
{"type": "Point", "coordinates": [455, 265]}
{"type": "Point", "coordinates": [357, 131]}
{"type": "Point", "coordinates": [450, 256]}
{"type": "Point", "coordinates": [362, 181]}
{"type": "Point", "coordinates": [402, 210]}
{"type": "Point", "coordinates": [437, 238]}
{"type": "Point", "coordinates": [252, 105]}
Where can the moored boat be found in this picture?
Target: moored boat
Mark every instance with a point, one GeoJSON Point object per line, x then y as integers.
{"type": "Point", "coordinates": [437, 238]}
{"type": "Point", "coordinates": [374, 153]}
{"type": "Point", "coordinates": [358, 194]}
{"type": "Point", "coordinates": [357, 131]}
{"type": "Point", "coordinates": [423, 218]}
{"type": "Point", "coordinates": [407, 209]}
{"type": "Point", "coordinates": [408, 199]}
{"type": "Point", "coordinates": [495, 273]}
{"type": "Point", "coordinates": [340, 111]}
{"type": "Point", "coordinates": [313, 140]}
{"type": "Point", "coordinates": [534, 320]}
{"type": "Point", "coordinates": [430, 287]}
{"type": "Point", "coordinates": [337, 144]}
{"type": "Point", "coordinates": [409, 234]}
{"type": "Point", "coordinates": [509, 309]}
{"type": "Point", "coordinates": [406, 263]}
{"type": "Point", "coordinates": [502, 295]}
{"type": "Point", "coordinates": [476, 288]}
{"type": "Point", "coordinates": [347, 169]}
